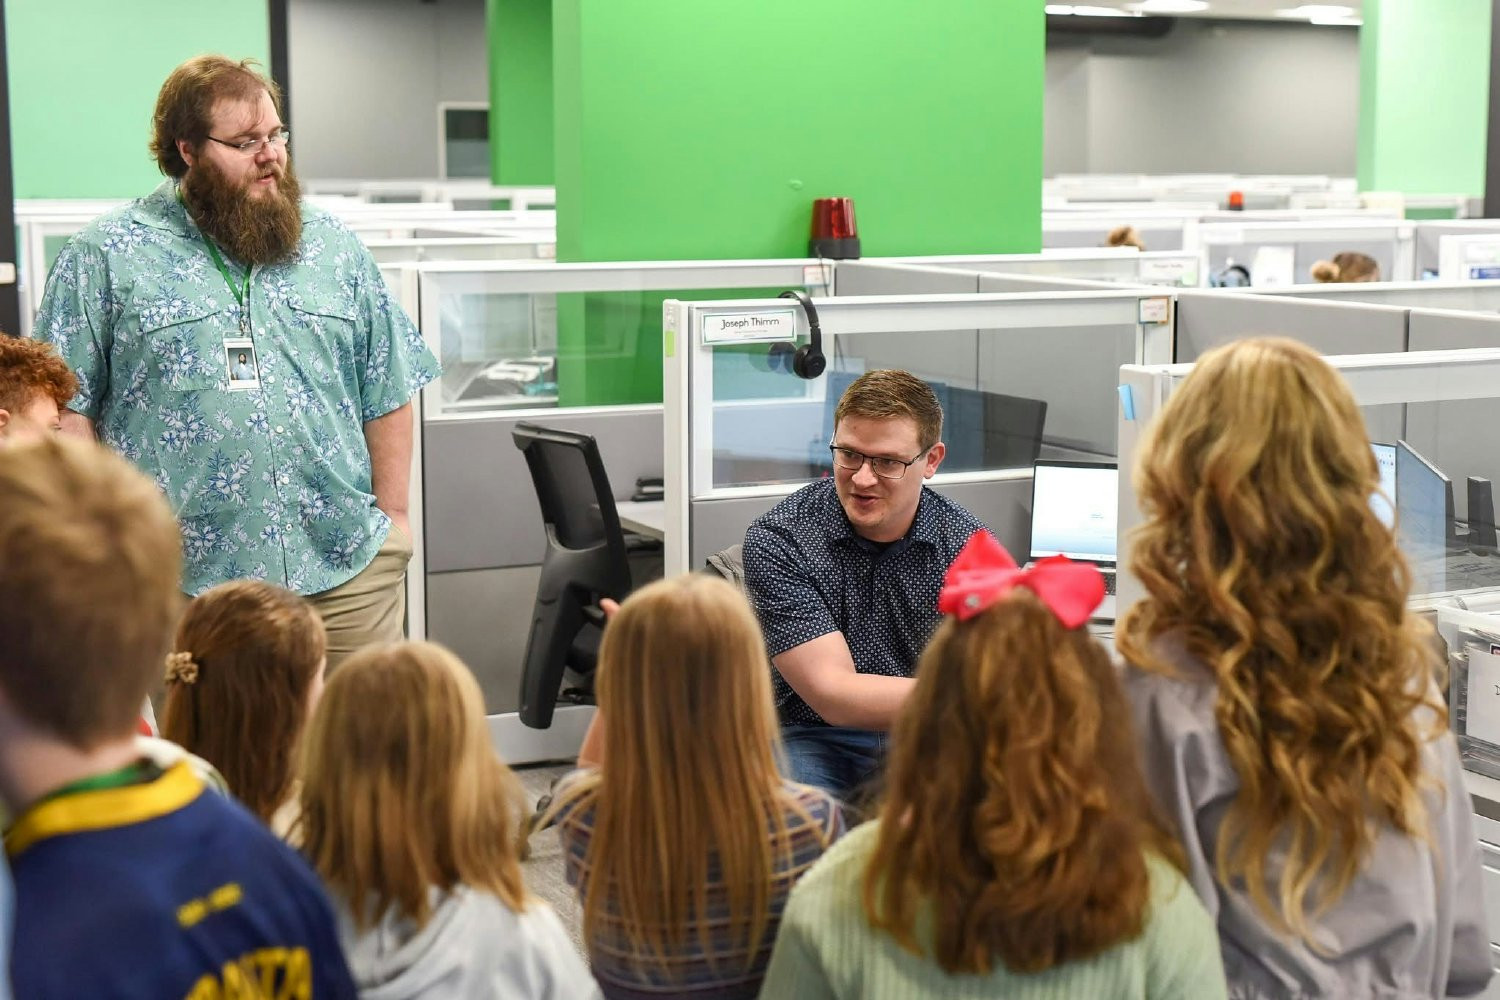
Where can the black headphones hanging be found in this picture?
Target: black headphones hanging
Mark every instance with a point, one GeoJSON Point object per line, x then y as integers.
{"type": "Point", "coordinates": [807, 362]}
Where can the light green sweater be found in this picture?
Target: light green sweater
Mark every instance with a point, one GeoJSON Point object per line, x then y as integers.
{"type": "Point", "coordinates": [826, 948]}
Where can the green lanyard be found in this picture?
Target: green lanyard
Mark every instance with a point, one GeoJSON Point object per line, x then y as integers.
{"type": "Point", "coordinates": [242, 297]}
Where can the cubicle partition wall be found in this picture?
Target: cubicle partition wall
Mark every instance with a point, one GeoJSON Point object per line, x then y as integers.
{"type": "Point", "coordinates": [1476, 296]}
{"type": "Point", "coordinates": [444, 248]}
{"type": "Point", "coordinates": [740, 438]}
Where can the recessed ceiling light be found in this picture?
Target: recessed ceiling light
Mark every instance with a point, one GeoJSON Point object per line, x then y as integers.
{"type": "Point", "coordinates": [1171, 6]}
{"type": "Point", "coordinates": [1320, 12]}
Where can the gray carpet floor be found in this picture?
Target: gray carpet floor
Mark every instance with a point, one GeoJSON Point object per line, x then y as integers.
{"type": "Point", "coordinates": [544, 869]}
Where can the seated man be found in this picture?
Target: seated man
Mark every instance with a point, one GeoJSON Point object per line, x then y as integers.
{"type": "Point", "coordinates": [35, 385]}
{"type": "Point", "coordinates": [131, 879]}
{"type": "Point", "coordinates": [844, 575]}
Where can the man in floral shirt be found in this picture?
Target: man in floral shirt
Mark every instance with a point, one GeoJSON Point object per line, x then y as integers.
{"type": "Point", "coordinates": [299, 473]}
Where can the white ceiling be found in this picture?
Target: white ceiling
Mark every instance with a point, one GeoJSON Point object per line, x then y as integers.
{"type": "Point", "coordinates": [1254, 9]}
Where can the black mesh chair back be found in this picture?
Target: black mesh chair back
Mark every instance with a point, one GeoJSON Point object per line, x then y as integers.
{"type": "Point", "coordinates": [584, 562]}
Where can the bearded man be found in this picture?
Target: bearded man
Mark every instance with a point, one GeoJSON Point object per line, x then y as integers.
{"type": "Point", "coordinates": [298, 475]}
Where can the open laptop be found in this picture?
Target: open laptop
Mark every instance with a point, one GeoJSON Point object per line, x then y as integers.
{"type": "Point", "coordinates": [1075, 511]}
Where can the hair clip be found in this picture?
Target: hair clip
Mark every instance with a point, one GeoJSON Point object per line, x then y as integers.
{"type": "Point", "coordinates": [180, 667]}
{"type": "Point", "coordinates": [984, 573]}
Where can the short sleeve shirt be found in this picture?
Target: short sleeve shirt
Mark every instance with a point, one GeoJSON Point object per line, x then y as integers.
{"type": "Point", "coordinates": [808, 573]}
{"type": "Point", "coordinates": [271, 481]}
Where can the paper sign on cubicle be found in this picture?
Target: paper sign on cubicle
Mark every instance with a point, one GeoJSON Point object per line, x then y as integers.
{"type": "Point", "coordinates": [1483, 717]}
{"type": "Point", "coordinates": [1181, 271]}
{"type": "Point", "coordinates": [763, 327]}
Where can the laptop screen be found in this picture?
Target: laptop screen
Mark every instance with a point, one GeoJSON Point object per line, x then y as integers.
{"type": "Point", "coordinates": [1074, 511]}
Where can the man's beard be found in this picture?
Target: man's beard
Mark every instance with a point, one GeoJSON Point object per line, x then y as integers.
{"type": "Point", "coordinates": [254, 230]}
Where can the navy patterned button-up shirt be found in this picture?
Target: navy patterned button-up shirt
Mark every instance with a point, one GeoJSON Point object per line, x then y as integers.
{"type": "Point", "coordinates": [808, 574]}
{"type": "Point", "coordinates": [271, 481]}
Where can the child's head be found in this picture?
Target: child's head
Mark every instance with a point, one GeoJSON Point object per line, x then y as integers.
{"type": "Point", "coordinates": [682, 668]}
{"type": "Point", "coordinates": [245, 671]}
{"type": "Point", "coordinates": [1014, 794]}
{"type": "Point", "coordinates": [402, 790]}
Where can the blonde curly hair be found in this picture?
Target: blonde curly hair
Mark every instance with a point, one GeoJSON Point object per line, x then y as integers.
{"type": "Point", "coordinates": [1260, 550]}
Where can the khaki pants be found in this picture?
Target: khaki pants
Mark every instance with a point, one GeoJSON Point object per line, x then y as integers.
{"type": "Point", "coordinates": [371, 607]}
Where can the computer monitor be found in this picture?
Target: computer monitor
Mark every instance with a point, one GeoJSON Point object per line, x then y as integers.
{"type": "Point", "coordinates": [1381, 502]}
{"type": "Point", "coordinates": [1424, 508]}
{"type": "Point", "coordinates": [1075, 511]}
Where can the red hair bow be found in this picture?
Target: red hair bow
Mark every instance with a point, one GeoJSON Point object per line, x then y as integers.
{"type": "Point", "coordinates": [984, 572]}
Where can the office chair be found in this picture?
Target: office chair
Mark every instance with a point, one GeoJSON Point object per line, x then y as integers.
{"type": "Point", "coordinates": [585, 561]}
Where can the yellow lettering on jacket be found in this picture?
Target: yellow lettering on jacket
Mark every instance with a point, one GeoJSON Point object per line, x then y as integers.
{"type": "Point", "coordinates": [264, 974]}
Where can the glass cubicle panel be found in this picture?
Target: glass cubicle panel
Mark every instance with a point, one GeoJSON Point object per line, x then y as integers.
{"type": "Point", "coordinates": [513, 334]}
{"type": "Point", "coordinates": [1007, 398]}
{"type": "Point", "coordinates": [1019, 377]}
{"type": "Point", "coordinates": [1428, 415]}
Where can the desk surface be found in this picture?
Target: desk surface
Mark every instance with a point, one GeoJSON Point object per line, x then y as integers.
{"type": "Point", "coordinates": [644, 517]}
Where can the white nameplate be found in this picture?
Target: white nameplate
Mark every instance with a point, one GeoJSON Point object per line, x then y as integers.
{"type": "Point", "coordinates": [765, 326]}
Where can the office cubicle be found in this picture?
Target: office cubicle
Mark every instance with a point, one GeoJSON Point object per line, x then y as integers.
{"type": "Point", "coordinates": [1021, 376]}
{"type": "Point", "coordinates": [43, 227]}
{"type": "Point", "coordinates": [576, 346]}
{"type": "Point", "coordinates": [1283, 253]}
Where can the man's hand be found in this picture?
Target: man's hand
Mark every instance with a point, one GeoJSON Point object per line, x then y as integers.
{"type": "Point", "coordinates": [401, 520]}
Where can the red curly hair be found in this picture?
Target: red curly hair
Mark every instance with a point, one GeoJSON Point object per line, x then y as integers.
{"type": "Point", "coordinates": [1016, 806]}
{"type": "Point", "coordinates": [30, 368]}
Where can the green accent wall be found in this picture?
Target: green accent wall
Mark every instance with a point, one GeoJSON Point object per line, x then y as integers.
{"type": "Point", "coordinates": [520, 37]}
{"type": "Point", "coordinates": [84, 75]}
{"type": "Point", "coordinates": [1424, 96]}
{"type": "Point", "coordinates": [692, 130]}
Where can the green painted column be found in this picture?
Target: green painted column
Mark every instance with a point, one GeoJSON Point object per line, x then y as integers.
{"type": "Point", "coordinates": [1424, 96]}
{"type": "Point", "coordinates": [84, 75]}
{"type": "Point", "coordinates": [520, 37]}
{"type": "Point", "coordinates": [692, 130]}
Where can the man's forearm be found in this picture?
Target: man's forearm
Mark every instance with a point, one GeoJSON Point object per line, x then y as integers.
{"type": "Point", "coordinates": [863, 701]}
{"type": "Point", "coordinates": [389, 441]}
{"type": "Point", "coordinates": [77, 425]}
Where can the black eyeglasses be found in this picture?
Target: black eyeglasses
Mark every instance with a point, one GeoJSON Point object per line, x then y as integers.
{"type": "Point", "coordinates": [250, 147]}
{"type": "Point", "coordinates": [885, 468]}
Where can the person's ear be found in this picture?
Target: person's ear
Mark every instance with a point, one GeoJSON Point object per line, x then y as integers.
{"type": "Point", "coordinates": [186, 151]}
{"type": "Point", "coordinates": [935, 456]}
{"type": "Point", "coordinates": [4, 420]}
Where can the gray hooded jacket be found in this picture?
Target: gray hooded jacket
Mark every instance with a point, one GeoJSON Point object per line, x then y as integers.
{"type": "Point", "coordinates": [474, 947]}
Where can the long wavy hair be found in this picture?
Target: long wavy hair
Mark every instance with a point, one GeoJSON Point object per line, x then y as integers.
{"type": "Point", "coordinates": [688, 782]}
{"type": "Point", "coordinates": [1261, 553]}
{"type": "Point", "coordinates": [256, 652]}
{"type": "Point", "coordinates": [402, 791]}
{"type": "Point", "coordinates": [1016, 810]}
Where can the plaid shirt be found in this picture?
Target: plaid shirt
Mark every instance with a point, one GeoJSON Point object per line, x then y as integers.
{"type": "Point", "coordinates": [813, 822]}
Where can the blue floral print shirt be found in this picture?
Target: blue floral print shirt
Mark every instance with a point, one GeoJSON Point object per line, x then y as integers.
{"type": "Point", "coordinates": [272, 481]}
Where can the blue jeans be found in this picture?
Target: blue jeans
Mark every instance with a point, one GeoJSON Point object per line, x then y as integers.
{"type": "Point", "coordinates": [833, 758]}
